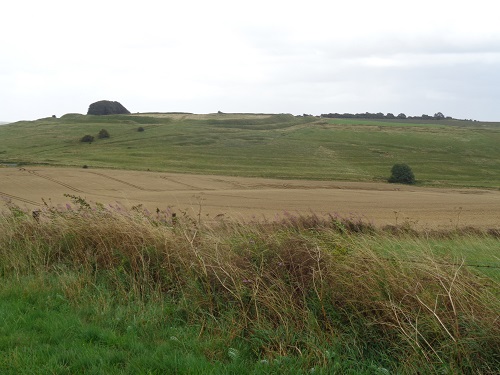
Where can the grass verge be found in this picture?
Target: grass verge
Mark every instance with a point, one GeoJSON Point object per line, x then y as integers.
{"type": "Point", "coordinates": [95, 289]}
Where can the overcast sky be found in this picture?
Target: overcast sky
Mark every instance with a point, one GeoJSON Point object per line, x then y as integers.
{"type": "Point", "coordinates": [275, 56]}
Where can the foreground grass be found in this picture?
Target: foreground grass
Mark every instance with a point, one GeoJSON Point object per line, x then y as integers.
{"type": "Point", "coordinates": [100, 290]}
{"type": "Point", "coordinates": [42, 331]}
{"type": "Point", "coordinates": [448, 152]}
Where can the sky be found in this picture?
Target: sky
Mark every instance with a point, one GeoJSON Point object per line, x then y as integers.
{"type": "Point", "coordinates": [271, 56]}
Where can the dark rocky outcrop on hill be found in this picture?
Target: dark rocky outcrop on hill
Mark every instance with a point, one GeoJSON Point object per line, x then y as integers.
{"type": "Point", "coordinates": [107, 107]}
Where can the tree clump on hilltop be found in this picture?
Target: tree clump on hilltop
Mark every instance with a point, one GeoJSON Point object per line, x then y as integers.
{"type": "Point", "coordinates": [107, 107]}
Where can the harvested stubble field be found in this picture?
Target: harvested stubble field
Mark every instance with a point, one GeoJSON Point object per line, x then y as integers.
{"type": "Point", "coordinates": [211, 197]}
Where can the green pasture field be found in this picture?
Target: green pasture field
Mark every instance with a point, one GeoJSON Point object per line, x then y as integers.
{"type": "Point", "coordinates": [447, 152]}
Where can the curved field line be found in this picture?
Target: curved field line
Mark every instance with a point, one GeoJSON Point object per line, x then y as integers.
{"type": "Point", "coordinates": [184, 184]}
{"type": "Point", "coordinates": [121, 181]}
{"type": "Point", "coordinates": [56, 181]}
{"type": "Point", "coordinates": [10, 196]}
{"type": "Point", "coordinates": [233, 183]}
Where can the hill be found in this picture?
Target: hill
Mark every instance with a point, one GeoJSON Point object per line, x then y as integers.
{"type": "Point", "coordinates": [444, 152]}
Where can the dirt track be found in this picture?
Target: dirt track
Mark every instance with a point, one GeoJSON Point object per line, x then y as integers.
{"type": "Point", "coordinates": [234, 197]}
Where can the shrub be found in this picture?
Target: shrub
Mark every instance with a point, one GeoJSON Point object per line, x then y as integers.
{"type": "Point", "coordinates": [103, 133]}
{"type": "Point", "coordinates": [140, 129]}
{"type": "Point", "coordinates": [87, 138]}
{"type": "Point", "coordinates": [402, 173]}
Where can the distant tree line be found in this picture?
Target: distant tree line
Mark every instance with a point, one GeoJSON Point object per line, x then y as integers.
{"type": "Point", "coordinates": [380, 115]}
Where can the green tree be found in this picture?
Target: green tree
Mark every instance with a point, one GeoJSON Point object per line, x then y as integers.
{"type": "Point", "coordinates": [402, 173]}
{"type": "Point", "coordinates": [103, 133]}
{"type": "Point", "coordinates": [87, 138]}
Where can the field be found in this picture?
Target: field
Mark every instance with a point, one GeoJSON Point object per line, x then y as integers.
{"type": "Point", "coordinates": [288, 251]}
{"type": "Point", "coordinates": [242, 198]}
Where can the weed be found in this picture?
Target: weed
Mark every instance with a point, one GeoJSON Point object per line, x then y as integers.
{"type": "Point", "coordinates": [79, 201]}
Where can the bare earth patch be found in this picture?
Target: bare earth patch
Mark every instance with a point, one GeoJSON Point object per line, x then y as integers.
{"type": "Point", "coordinates": [246, 198]}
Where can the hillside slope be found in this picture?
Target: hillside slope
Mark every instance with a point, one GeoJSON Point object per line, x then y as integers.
{"type": "Point", "coordinates": [277, 146]}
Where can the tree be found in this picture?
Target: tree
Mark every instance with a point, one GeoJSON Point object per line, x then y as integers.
{"type": "Point", "coordinates": [402, 173]}
{"type": "Point", "coordinates": [103, 133]}
{"type": "Point", "coordinates": [107, 107]}
{"type": "Point", "coordinates": [401, 116]}
{"type": "Point", "coordinates": [87, 138]}
{"type": "Point", "coordinates": [438, 116]}
{"type": "Point", "coordinates": [390, 116]}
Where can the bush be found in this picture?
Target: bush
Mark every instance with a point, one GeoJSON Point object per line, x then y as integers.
{"type": "Point", "coordinates": [402, 173]}
{"type": "Point", "coordinates": [140, 129]}
{"type": "Point", "coordinates": [87, 138]}
{"type": "Point", "coordinates": [103, 133]}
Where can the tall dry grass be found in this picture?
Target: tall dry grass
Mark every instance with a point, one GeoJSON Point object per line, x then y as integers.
{"type": "Point", "coordinates": [291, 288]}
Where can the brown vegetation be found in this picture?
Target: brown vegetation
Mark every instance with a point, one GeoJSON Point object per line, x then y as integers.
{"type": "Point", "coordinates": [219, 196]}
{"type": "Point", "coordinates": [302, 276]}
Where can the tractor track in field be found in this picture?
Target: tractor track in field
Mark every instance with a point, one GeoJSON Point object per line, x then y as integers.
{"type": "Point", "coordinates": [29, 201]}
{"type": "Point", "coordinates": [56, 181]}
{"type": "Point", "coordinates": [191, 187]}
{"type": "Point", "coordinates": [121, 181]}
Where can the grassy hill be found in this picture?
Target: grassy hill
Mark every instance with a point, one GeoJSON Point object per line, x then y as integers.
{"type": "Point", "coordinates": [447, 152]}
